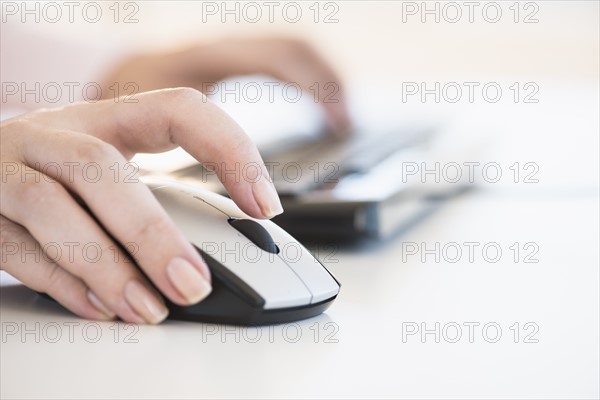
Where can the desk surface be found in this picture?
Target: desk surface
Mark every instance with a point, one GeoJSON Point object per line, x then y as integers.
{"type": "Point", "coordinates": [527, 329]}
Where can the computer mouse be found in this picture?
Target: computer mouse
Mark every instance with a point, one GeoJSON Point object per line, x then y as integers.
{"type": "Point", "coordinates": [260, 273]}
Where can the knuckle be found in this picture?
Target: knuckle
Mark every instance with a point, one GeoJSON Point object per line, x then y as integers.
{"type": "Point", "coordinates": [18, 125]}
{"type": "Point", "coordinates": [95, 150]}
{"type": "Point", "coordinates": [51, 280]}
{"type": "Point", "coordinates": [9, 232]}
{"type": "Point", "coordinates": [173, 100]}
{"type": "Point", "coordinates": [151, 229]}
{"type": "Point", "coordinates": [10, 132]}
{"type": "Point", "coordinates": [242, 144]}
{"type": "Point", "coordinates": [296, 46]}
{"type": "Point", "coordinates": [32, 195]}
{"type": "Point", "coordinates": [184, 94]}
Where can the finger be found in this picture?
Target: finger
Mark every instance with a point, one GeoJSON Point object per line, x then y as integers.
{"type": "Point", "coordinates": [54, 218]}
{"type": "Point", "coordinates": [25, 259]}
{"type": "Point", "coordinates": [164, 119]}
{"type": "Point", "coordinates": [125, 208]}
{"type": "Point", "coordinates": [337, 116]}
{"type": "Point", "coordinates": [300, 63]}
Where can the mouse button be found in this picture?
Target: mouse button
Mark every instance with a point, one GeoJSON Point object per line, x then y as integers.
{"type": "Point", "coordinates": [220, 202]}
{"type": "Point", "coordinates": [215, 200]}
{"type": "Point", "coordinates": [265, 273]}
{"type": "Point", "coordinates": [315, 276]}
{"type": "Point", "coordinates": [193, 217]}
{"type": "Point", "coordinates": [222, 276]}
{"type": "Point", "coordinates": [256, 233]}
{"type": "Point", "coordinates": [174, 199]}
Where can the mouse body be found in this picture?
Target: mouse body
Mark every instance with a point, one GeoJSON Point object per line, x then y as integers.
{"type": "Point", "coordinates": [260, 273]}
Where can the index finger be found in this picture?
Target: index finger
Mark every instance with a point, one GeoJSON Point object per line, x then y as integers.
{"type": "Point", "coordinates": [164, 119]}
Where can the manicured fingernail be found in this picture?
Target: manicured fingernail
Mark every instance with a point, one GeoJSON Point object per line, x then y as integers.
{"type": "Point", "coordinates": [145, 303]}
{"type": "Point", "coordinates": [188, 280]}
{"type": "Point", "coordinates": [267, 198]}
{"type": "Point", "coordinates": [99, 305]}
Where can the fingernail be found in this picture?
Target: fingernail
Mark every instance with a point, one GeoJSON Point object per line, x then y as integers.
{"type": "Point", "coordinates": [145, 303]}
{"type": "Point", "coordinates": [99, 305]}
{"type": "Point", "coordinates": [267, 198]}
{"type": "Point", "coordinates": [188, 280]}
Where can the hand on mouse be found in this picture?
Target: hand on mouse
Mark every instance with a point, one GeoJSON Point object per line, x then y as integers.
{"type": "Point", "coordinates": [288, 60]}
{"type": "Point", "coordinates": [58, 162]}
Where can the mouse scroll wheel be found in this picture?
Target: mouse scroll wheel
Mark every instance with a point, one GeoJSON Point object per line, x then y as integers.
{"type": "Point", "coordinates": [256, 233]}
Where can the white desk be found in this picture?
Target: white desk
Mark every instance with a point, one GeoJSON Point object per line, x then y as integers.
{"type": "Point", "coordinates": [364, 354]}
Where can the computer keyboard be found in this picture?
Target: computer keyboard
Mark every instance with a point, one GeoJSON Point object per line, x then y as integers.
{"type": "Point", "coordinates": [349, 187]}
{"type": "Point", "coordinates": [322, 162]}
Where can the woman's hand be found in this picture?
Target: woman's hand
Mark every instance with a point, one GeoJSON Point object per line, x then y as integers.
{"type": "Point", "coordinates": [58, 163]}
{"type": "Point", "coordinates": [288, 60]}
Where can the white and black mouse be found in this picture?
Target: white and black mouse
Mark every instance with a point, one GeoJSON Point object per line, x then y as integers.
{"type": "Point", "coordinates": [260, 273]}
